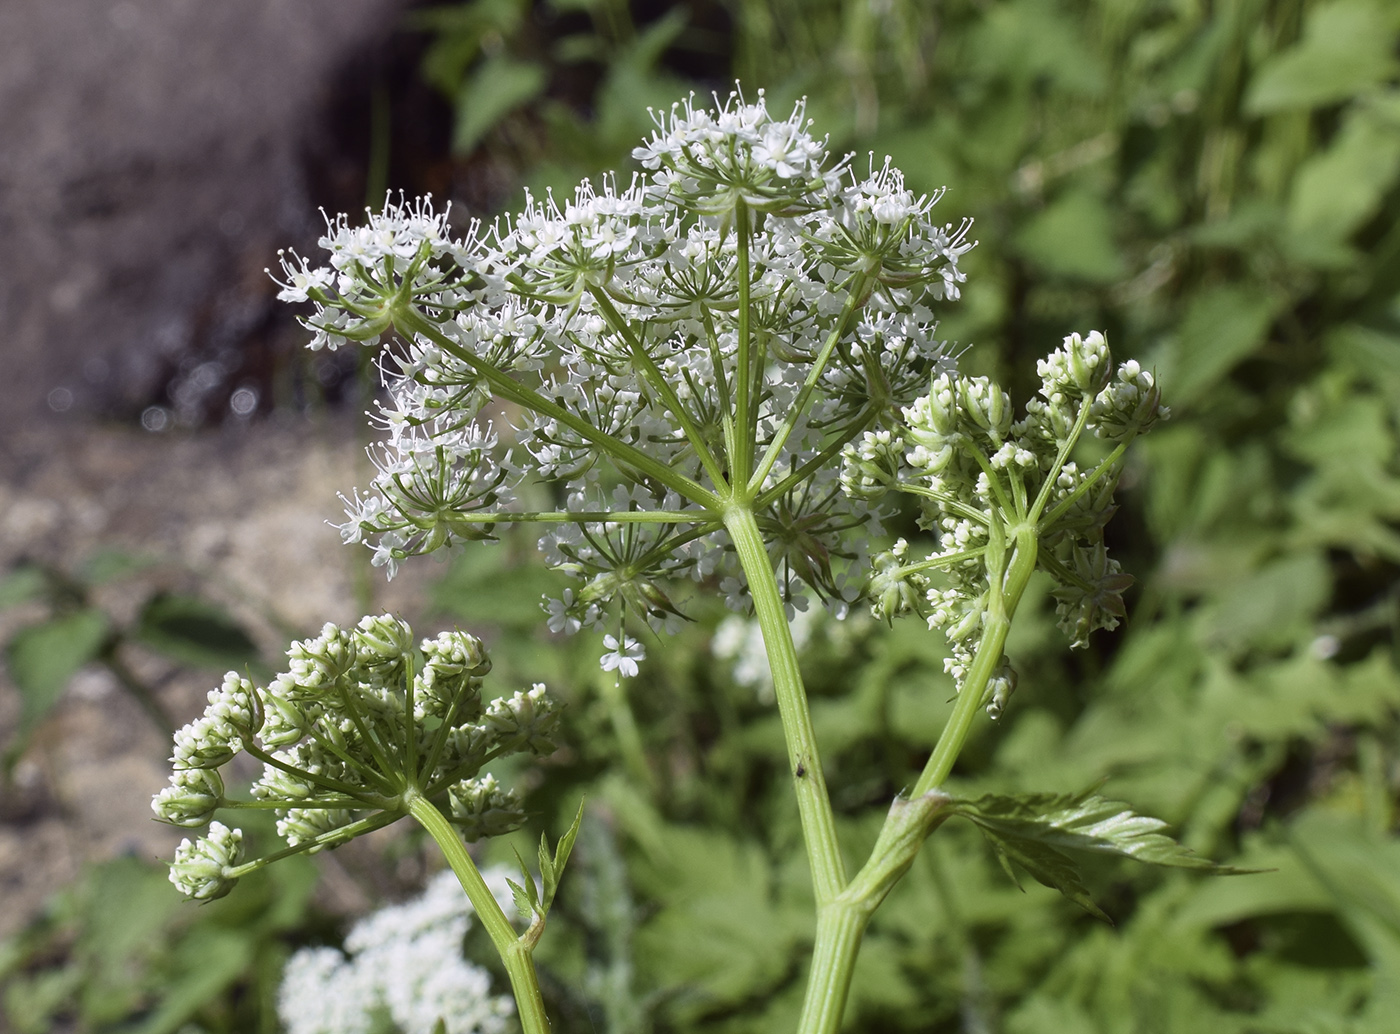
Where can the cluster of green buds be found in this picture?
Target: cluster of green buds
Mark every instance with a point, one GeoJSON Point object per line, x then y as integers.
{"type": "Point", "coordinates": [363, 727]}
{"type": "Point", "coordinates": [1004, 497]}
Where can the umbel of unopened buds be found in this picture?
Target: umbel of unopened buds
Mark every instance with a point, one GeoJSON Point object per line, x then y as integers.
{"type": "Point", "coordinates": [1004, 496]}
{"type": "Point", "coordinates": [364, 721]}
{"type": "Point", "coordinates": [692, 345]}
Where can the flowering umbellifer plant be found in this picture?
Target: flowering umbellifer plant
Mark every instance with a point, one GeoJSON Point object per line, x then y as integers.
{"type": "Point", "coordinates": [727, 365]}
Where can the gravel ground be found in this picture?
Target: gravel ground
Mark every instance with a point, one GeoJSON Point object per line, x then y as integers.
{"type": "Point", "coordinates": [239, 515]}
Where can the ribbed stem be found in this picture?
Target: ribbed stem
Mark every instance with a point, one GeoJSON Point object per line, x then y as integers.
{"type": "Point", "coordinates": [804, 760]}
{"type": "Point", "coordinates": [520, 966]}
{"type": "Point", "coordinates": [840, 927]}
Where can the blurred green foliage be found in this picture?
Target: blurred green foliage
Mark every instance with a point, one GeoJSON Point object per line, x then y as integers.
{"type": "Point", "coordinates": [71, 631]}
{"type": "Point", "coordinates": [118, 950]}
{"type": "Point", "coordinates": [1218, 187]}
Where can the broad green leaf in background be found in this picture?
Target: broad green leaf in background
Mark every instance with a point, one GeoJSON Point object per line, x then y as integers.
{"type": "Point", "coordinates": [1073, 237]}
{"type": "Point", "coordinates": [196, 632]}
{"type": "Point", "coordinates": [43, 658]}
{"type": "Point", "coordinates": [1336, 191]}
{"type": "Point", "coordinates": [21, 585]}
{"type": "Point", "coordinates": [1347, 46]}
{"type": "Point", "coordinates": [1222, 326]}
{"type": "Point", "coordinates": [500, 85]}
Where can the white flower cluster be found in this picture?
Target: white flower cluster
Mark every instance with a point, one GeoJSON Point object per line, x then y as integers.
{"type": "Point", "coordinates": [360, 718]}
{"type": "Point", "coordinates": [740, 641]}
{"type": "Point", "coordinates": [977, 468]}
{"type": "Point", "coordinates": [721, 325]}
{"type": "Point", "coordinates": [404, 962]}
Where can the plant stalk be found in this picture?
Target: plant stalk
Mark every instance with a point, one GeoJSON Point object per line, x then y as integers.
{"type": "Point", "coordinates": [804, 759]}
{"type": "Point", "coordinates": [519, 963]}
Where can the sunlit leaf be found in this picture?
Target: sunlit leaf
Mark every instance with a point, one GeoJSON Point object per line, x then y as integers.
{"type": "Point", "coordinates": [1034, 832]}
{"type": "Point", "coordinates": [43, 658]}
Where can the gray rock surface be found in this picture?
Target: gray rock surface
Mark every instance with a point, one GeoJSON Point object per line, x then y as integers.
{"type": "Point", "coordinates": [149, 167]}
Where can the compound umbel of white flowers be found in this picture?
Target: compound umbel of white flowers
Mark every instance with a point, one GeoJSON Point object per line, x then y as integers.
{"type": "Point", "coordinates": [688, 353]}
{"type": "Point", "coordinates": [689, 357]}
{"type": "Point", "coordinates": [365, 727]}
{"type": "Point", "coordinates": [1004, 497]}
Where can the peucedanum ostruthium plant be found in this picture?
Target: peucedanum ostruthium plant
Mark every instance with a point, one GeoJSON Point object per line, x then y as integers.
{"type": "Point", "coordinates": [729, 370]}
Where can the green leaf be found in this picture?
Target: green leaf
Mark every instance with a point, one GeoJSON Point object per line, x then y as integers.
{"type": "Point", "coordinates": [1222, 326]}
{"type": "Point", "coordinates": [554, 868]}
{"type": "Point", "coordinates": [110, 565]}
{"type": "Point", "coordinates": [194, 632]}
{"type": "Point", "coordinates": [1035, 830]}
{"type": "Point", "coordinates": [523, 898]}
{"type": "Point", "coordinates": [1347, 47]}
{"type": "Point", "coordinates": [1073, 237]}
{"type": "Point", "coordinates": [499, 86]}
{"type": "Point", "coordinates": [1337, 191]}
{"type": "Point", "coordinates": [43, 658]}
{"type": "Point", "coordinates": [21, 586]}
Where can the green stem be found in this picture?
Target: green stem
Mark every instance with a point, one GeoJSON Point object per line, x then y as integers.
{"type": "Point", "coordinates": [624, 724]}
{"type": "Point", "coordinates": [520, 965]}
{"type": "Point", "coordinates": [799, 406]}
{"type": "Point", "coordinates": [1003, 596]}
{"type": "Point", "coordinates": [840, 929]}
{"type": "Point", "coordinates": [662, 387]}
{"type": "Point", "coordinates": [804, 760]}
{"type": "Point", "coordinates": [740, 464]}
{"type": "Point", "coordinates": [841, 923]}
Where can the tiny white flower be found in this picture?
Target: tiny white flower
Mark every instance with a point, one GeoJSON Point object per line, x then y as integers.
{"type": "Point", "coordinates": [622, 657]}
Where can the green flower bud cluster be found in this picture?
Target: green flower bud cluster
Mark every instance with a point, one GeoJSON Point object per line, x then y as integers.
{"type": "Point", "coordinates": [990, 483]}
{"type": "Point", "coordinates": [362, 722]}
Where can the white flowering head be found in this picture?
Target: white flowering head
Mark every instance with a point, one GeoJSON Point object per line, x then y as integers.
{"type": "Point", "coordinates": [364, 721]}
{"type": "Point", "coordinates": [207, 868]}
{"type": "Point", "coordinates": [405, 961]}
{"type": "Point", "coordinates": [995, 488]}
{"type": "Point", "coordinates": [702, 339]}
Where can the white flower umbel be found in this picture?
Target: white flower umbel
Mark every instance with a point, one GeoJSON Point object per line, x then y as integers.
{"type": "Point", "coordinates": [404, 962]}
{"type": "Point", "coordinates": [365, 727]}
{"type": "Point", "coordinates": [1003, 497]}
{"type": "Point", "coordinates": [698, 342]}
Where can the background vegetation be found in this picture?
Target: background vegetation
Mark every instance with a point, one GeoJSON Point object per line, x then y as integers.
{"type": "Point", "coordinates": [1217, 185]}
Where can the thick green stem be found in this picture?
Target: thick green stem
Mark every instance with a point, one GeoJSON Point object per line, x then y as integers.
{"type": "Point", "coordinates": [804, 760]}
{"type": "Point", "coordinates": [520, 965]}
{"type": "Point", "coordinates": [840, 929]}
{"type": "Point", "coordinates": [841, 923]}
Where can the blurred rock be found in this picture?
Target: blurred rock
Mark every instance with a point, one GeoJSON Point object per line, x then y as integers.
{"type": "Point", "coordinates": [151, 161]}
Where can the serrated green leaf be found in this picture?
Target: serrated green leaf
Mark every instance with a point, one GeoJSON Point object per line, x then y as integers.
{"type": "Point", "coordinates": [547, 874]}
{"type": "Point", "coordinates": [43, 658]}
{"type": "Point", "coordinates": [194, 631]}
{"type": "Point", "coordinates": [1048, 866]}
{"type": "Point", "coordinates": [21, 585]}
{"type": "Point", "coordinates": [522, 897]}
{"type": "Point", "coordinates": [1035, 830]}
{"type": "Point", "coordinates": [562, 850]}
